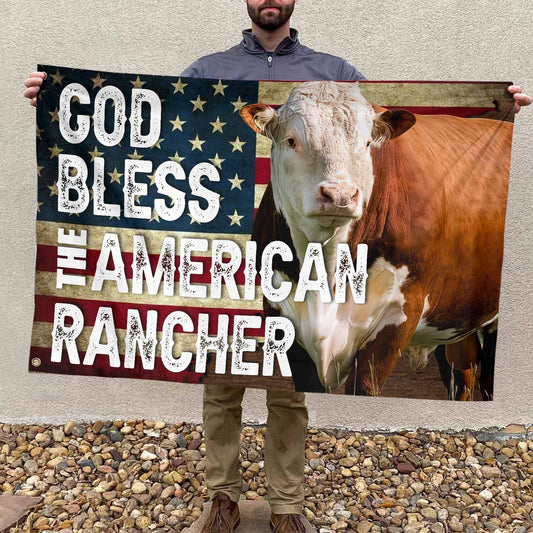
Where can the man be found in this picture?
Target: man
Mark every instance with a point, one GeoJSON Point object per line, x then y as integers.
{"type": "Point", "coordinates": [270, 49]}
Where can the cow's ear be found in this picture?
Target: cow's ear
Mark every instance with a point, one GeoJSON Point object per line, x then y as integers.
{"type": "Point", "coordinates": [260, 117]}
{"type": "Point", "coordinates": [391, 123]}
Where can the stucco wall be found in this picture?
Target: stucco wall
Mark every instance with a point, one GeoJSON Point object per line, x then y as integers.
{"type": "Point", "coordinates": [384, 39]}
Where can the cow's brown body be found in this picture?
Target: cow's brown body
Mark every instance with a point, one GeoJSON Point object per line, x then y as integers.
{"type": "Point", "coordinates": [437, 206]}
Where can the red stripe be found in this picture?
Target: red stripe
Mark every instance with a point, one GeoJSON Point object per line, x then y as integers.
{"type": "Point", "coordinates": [101, 368]}
{"type": "Point", "coordinates": [443, 110]}
{"type": "Point", "coordinates": [262, 170]}
{"type": "Point", "coordinates": [44, 312]}
{"type": "Point", "coordinates": [46, 261]}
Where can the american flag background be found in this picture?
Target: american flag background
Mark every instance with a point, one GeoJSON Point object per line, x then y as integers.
{"type": "Point", "coordinates": [200, 122]}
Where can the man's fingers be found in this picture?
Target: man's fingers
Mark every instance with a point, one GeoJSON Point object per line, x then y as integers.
{"type": "Point", "coordinates": [33, 84]}
{"type": "Point", "coordinates": [514, 89]}
{"type": "Point", "coordinates": [29, 82]}
{"type": "Point", "coordinates": [522, 99]}
{"type": "Point", "coordinates": [30, 92]}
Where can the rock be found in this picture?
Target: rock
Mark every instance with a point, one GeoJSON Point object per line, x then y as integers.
{"type": "Point", "coordinates": [436, 479]}
{"type": "Point", "coordinates": [43, 439]}
{"type": "Point", "coordinates": [429, 512]}
{"type": "Point", "coordinates": [405, 467]}
{"type": "Point", "coordinates": [31, 466]}
{"type": "Point", "coordinates": [138, 487]}
{"type": "Point", "coordinates": [315, 463]}
{"type": "Point", "coordinates": [78, 431]}
{"type": "Point", "coordinates": [522, 447]}
{"type": "Point", "coordinates": [490, 471]}
{"type": "Point", "coordinates": [191, 455]}
{"type": "Point", "coordinates": [417, 487]}
{"type": "Point", "coordinates": [115, 436]}
{"type": "Point", "coordinates": [413, 458]}
{"type": "Point", "coordinates": [360, 484]}
{"type": "Point", "coordinates": [147, 456]}
{"type": "Point", "coordinates": [142, 522]}
{"type": "Point", "coordinates": [97, 426]}
{"type": "Point", "coordinates": [67, 428]}
{"type": "Point", "coordinates": [455, 525]}
{"type": "Point", "coordinates": [486, 494]}
{"type": "Point", "coordinates": [364, 527]}
{"type": "Point", "coordinates": [58, 434]}
{"type": "Point", "coordinates": [167, 492]}
{"type": "Point", "coordinates": [194, 444]}
{"type": "Point", "coordinates": [168, 444]}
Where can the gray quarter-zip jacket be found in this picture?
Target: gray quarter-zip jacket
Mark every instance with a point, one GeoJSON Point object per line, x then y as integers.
{"type": "Point", "coordinates": [290, 61]}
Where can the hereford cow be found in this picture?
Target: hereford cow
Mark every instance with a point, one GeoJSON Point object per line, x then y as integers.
{"type": "Point", "coordinates": [427, 194]}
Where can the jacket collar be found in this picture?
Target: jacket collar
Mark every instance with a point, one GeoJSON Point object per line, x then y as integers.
{"type": "Point", "coordinates": [252, 45]}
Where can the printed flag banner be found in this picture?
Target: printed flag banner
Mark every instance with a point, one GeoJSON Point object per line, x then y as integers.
{"type": "Point", "coordinates": [320, 236]}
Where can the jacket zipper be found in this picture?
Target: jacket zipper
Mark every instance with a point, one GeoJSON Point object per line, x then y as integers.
{"type": "Point", "coordinates": [269, 71]}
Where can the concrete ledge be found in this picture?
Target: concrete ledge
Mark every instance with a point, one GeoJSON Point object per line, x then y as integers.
{"type": "Point", "coordinates": [13, 509]}
{"type": "Point", "coordinates": [255, 518]}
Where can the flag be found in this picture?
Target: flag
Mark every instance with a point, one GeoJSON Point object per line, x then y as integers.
{"type": "Point", "coordinates": [199, 122]}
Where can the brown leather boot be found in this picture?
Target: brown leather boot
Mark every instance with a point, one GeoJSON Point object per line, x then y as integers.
{"type": "Point", "coordinates": [287, 523]}
{"type": "Point", "coordinates": [224, 516]}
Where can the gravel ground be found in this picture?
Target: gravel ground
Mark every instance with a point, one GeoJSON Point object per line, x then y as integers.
{"type": "Point", "coordinates": [134, 476]}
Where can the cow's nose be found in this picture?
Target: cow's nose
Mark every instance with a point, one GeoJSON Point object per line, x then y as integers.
{"type": "Point", "coordinates": [338, 194]}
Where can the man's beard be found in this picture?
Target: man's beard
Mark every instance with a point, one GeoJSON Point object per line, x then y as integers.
{"type": "Point", "coordinates": [270, 21]}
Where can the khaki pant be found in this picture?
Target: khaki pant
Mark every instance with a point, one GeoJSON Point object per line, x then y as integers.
{"type": "Point", "coordinates": [284, 445]}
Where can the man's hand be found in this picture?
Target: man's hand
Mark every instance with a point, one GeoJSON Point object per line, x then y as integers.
{"type": "Point", "coordinates": [519, 98]}
{"type": "Point", "coordinates": [33, 83]}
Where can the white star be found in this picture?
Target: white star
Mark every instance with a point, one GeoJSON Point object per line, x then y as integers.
{"type": "Point", "coordinates": [196, 143]}
{"type": "Point", "coordinates": [235, 218]}
{"type": "Point", "coordinates": [177, 124]}
{"type": "Point", "coordinates": [236, 182]}
{"type": "Point", "coordinates": [179, 86]}
{"type": "Point", "coordinates": [217, 125]}
{"type": "Point", "coordinates": [238, 105]}
{"type": "Point", "coordinates": [237, 144]}
{"type": "Point", "coordinates": [219, 88]}
{"type": "Point", "coordinates": [198, 103]}
{"type": "Point", "coordinates": [217, 161]}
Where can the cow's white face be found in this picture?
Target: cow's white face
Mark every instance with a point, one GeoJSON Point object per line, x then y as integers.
{"type": "Point", "coordinates": [321, 169]}
{"type": "Point", "coordinates": [321, 165]}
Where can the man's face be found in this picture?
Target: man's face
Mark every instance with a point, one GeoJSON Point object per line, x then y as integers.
{"type": "Point", "coordinates": [270, 14]}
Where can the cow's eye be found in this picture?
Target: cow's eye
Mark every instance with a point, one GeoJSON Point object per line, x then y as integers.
{"type": "Point", "coordinates": [291, 143]}
{"type": "Point", "coordinates": [368, 144]}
